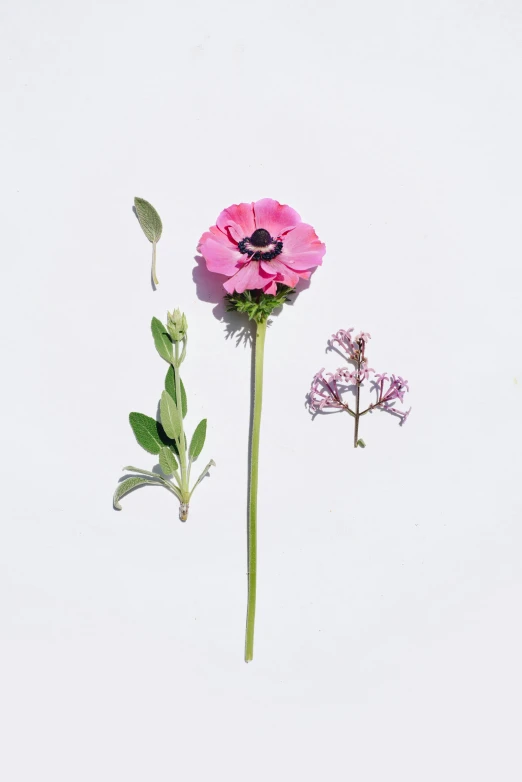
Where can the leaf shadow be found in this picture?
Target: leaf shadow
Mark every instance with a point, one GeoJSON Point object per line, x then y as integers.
{"type": "Point", "coordinates": [152, 285]}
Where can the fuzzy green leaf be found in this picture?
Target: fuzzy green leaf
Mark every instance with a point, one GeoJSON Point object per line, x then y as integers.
{"type": "Point", "coordinates": [127, 485]}
{"type": "Point", "coordinates": [130, 468]}
{"type": "Point", "coordinates": [211, 463]}
{"type": "Point", "coordinates": [167, 461]}
{"type": "Point", "coordinates": [161, 339]}
{"type": "Point", "coordinates": [170, 417]}
{"type": "Point", "coordinates": [149, 433]}
{"type": "Point", "coordinates": [149, 219]}
{"type": "Point", "coordinates": [198, 440]}
{"type": "Point", "coordinates": [170, 386]}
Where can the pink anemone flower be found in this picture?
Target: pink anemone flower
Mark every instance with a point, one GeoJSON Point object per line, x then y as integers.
{"type": "Point", "coordinates": [260, 244]}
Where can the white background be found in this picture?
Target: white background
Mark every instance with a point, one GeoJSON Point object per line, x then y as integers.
{"type": "Point", "coordinates": [388, 633]}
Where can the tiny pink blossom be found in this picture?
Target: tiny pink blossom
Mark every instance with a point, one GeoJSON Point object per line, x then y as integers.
{"type": "Point", "coordinates": [258, 245]}
{"type": "Point", "coordinates": [343, 339]}
{"type": "Point", "coordinates": [396, 390]}
{"type": "Point", "coordinates": [324, 392]}
{"type": "Point", "coordinates": [348, 376]}
{"type": "Point", "coordinates": [365, 372]}
{"type": "Point", "coordinates": [362, 336]}
{"type": "Point", "coordinates": [402, 383]}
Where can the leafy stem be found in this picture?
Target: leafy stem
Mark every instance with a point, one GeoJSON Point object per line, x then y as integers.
{"type": "Point", "coordinates": [181, 440]}
{"type": "Point", "coordinates": [166, 437]}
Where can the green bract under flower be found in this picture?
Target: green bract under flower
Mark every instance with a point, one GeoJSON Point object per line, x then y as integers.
{"type": "Point", "coordinates": [257, 304]}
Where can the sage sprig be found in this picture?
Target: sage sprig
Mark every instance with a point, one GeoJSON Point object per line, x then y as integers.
{"type": "Point", "coordinates": [152, 227]}
{"type": "Point", "coordinates": [166, 438]}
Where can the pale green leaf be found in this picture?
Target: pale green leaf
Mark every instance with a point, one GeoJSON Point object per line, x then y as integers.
{"type": "Point", "coordinates": [130, 468]}
{"type": "Point", "coordinates": [149, 219]}
{"type": "Point", "coordinates": [161, 339]}
{"type": "Point", "coordinates": [167, 461]}
{"type": "Point", "coordinates": [198, 440]}
{"type": "Point", "coordinates": [127, 485]}
{"type": "Point", "coordinates": [211, 463]}
{"type": "Point", "coordinates": [170, 417]}
{"type": "Point", "coordinates": [170, 386]}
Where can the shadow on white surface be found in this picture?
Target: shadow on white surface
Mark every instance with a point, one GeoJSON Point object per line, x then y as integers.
{"type": "Point", "coordinates": [209, 288]}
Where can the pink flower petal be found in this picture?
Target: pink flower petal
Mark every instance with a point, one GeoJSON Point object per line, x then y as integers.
{"type": "Point", "coordinates": [274, 217]}
{"type": "Point", "coordinates": [218, 257]}
{"type": "Point", "coordinates": [303, 262]}
{"type": "Point", "coordinates": [284, 274]}
{"type": "Point", "coordinates": [224, 238]}
{"type": "Point", "coordinates": [302, 249]}
{"type": "Point", "coordinates": [302, 238]}
{"type": "Point", "coordinates": [271, 288]}
{"type": "Point", "coordinates": [249, 277]}
{"type": "Point", "coordinates": [238, 220]}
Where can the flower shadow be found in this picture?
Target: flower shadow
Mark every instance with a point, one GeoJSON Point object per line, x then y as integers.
{"type": "Point", "coordinates": [209, 288]}
{"type": "Point", "coordinates": [331, 348]}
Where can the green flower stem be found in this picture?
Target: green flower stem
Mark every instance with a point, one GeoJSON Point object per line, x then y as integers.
{"type": "Point", "coordinates": [252, 501]}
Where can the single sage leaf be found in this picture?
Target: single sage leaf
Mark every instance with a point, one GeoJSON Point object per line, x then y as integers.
{"type": "Point", "coordinates": [130, 468]}
{"type": "Point", "coordinates": [149, 433]}
{"type": "Point", "coordinates": [211, 463]}
{"type": "Point", "coordinates": [170, 417]}
{"type": "Point", "coordinates": [127, 485]}
{"type": "Point", "coordinates": [167, 461]}
{"type": "Point", "coordinates": [149, 219]}
{"type": "Point", "coordinates": [170, 386]}
{"type": "Point", "coordinates": [161, 339]}
{"type": "Point", "coordinates": [198, 440]}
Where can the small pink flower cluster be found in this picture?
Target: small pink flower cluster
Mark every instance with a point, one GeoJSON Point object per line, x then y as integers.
{"type": "Point", "coordinates": [328, 389]}
{"type": "Point", "coordinates": [354, 349]}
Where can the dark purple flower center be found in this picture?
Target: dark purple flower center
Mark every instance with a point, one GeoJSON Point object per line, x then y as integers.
{"type": "Point", "coordinates": [260, 246]}
{"type": "Point", "coordinates": [260, 238]}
